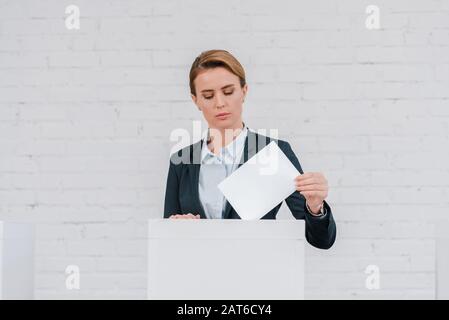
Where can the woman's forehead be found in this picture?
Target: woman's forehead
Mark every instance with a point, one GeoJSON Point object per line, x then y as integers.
{"type": "Point", "coordinates": [215, 78]}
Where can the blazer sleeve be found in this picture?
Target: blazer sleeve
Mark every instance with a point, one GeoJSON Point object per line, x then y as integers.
{"type": "Point", "coordinates": [171, 205]}
{"type": "Point", "coordinates": [320, 231]}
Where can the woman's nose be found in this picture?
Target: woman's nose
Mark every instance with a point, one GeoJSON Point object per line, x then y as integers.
{"type": "Point", "coordinates": [219, 101]}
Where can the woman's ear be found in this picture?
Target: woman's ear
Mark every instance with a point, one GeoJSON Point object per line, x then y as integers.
{"type": "Point", "coordinates": [194, 99]}
{"type": "Point", "coordinates": [245, 90]}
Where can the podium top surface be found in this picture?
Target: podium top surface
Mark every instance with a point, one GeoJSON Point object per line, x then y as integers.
{"type": "Point", "coordinates": [226, 228]}
{"type": "Point", "coordinates": [15, 230]}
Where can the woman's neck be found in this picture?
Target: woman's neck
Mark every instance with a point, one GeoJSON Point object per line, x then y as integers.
{"type": "Point", "coordinates": [220, 138]}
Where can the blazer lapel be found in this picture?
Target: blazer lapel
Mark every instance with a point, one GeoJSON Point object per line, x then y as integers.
{"type": "Point", "coordinates": [196, 164]}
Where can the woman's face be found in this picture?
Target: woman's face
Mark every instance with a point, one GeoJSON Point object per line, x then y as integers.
{"type": "Point", "coordinates": [220, 97]}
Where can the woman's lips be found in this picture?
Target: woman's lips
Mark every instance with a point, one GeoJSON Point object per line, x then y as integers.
{"type": "Point", "coordinates": [222, 115]}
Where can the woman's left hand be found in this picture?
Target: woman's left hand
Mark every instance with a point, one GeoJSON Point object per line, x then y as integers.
{"type": "Point", "coordinates": [313, 186]}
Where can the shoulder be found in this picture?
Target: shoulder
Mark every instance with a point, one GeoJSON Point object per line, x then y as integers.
{"type": "Point", "coordinates": [285, 146]}
{"type": "Point", "coordinates": [187, 155]}
{"type": "Point", "coordinates": [263, 140]}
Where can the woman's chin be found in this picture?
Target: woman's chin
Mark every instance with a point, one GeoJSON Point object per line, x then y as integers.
{"type": "Point", "coordinates": [223, 123]}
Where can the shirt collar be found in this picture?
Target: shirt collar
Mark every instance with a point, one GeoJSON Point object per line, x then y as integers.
{"type": "Point", "coordinates": [230, 152]}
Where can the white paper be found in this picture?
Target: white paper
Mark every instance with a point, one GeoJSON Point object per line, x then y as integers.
{"type": "Point", "coordinates": [261, 183]}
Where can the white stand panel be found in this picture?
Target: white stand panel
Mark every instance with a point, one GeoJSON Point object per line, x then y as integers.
{"type": "Point", "coordinates": [226, 259]}
{"type": "Point", "coordinates": [16, 261]}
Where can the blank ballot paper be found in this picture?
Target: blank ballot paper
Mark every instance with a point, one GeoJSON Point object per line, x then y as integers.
{"type": "Point", "coordinates": [261, 183]}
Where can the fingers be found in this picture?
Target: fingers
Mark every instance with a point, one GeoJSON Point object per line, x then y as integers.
{"type": "Point", "coordinates": [310, 182]}
{"type": "Point", "coordinates": [192, 216]}
{"type": "Point", "coordinates": [314, 194]}
{"type": "Point", "coordinates": [308, 175]}
{"type": "Point", "coordinates": [307, 182]}
{"type": "Point", "coordinates": [185, 216]}
{"type": "Point", "coordinates": [312, 187]}
{"type": "Point", "coordinates": [310, 178]}
{"type": "Point", "coordinates": [305, 175]}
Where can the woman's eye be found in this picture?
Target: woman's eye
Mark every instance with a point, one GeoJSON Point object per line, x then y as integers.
{"type": "Point", "coordinates": [226, 93]}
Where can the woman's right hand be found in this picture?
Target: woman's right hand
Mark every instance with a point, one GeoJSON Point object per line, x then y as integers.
{"type": "Point", "coordinates": [184, 216]}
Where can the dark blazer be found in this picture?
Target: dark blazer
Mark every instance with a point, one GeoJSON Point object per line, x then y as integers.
{"type": "Point", "coordinates": [182, 195]}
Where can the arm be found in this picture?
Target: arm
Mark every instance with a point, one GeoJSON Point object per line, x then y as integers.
{"type": "Point", "coordinates": [171, 205]}
{"type": "Point", "coordinates": [320, 231]}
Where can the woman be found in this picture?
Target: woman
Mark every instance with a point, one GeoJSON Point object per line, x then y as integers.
{"type": "Point", "coordinates": [218, 88]}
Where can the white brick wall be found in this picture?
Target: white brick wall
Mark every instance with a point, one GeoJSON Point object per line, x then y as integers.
{"type": "Point", "coordinates": [85, 120]}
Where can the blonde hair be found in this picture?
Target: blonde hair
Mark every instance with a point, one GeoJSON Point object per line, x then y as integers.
{"type": "Point", "coordinates": [213, 59]}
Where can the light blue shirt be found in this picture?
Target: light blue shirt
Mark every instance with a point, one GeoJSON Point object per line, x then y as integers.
{"type": "Point", "coordinates": [214, 169]}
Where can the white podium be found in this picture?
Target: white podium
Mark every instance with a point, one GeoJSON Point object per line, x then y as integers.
{"type": "Point", "coordinates": [16, 261]}
{"type": "Point", "coordinates": [225, 259]}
